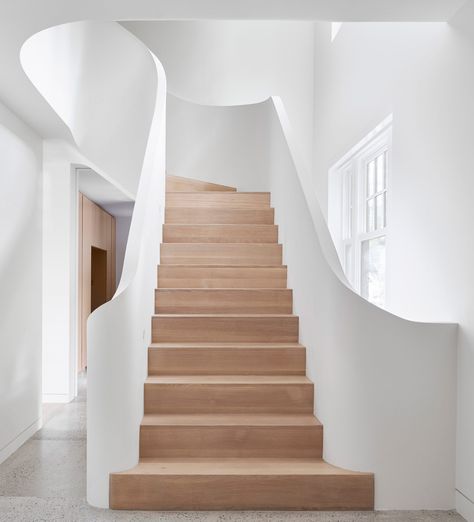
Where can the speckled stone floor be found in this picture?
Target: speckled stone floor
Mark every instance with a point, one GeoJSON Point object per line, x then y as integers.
{"type": "Point", "coordinates": [45, 480]}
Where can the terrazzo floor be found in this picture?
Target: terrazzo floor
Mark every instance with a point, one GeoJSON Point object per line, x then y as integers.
{"type": "Point", "coordinates": [45, 480]}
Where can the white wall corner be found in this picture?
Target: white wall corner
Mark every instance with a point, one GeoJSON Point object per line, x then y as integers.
{"type": "Point", "coordinates": [465, 506]}
{"type": "Point", "coordinates": [19, 440]}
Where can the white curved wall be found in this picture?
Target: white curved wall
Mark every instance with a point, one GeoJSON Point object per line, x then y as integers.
{"type": "Point", "coordinates": [229, 62]}
{"type": "Point", "coordinates": [424, 74]}
{"type": "Point", "coordinates": [229, 150]}
{"type": "Point", "coordinates": [89, 78]}
{"type": "Point", "coordinates": [383, 384]}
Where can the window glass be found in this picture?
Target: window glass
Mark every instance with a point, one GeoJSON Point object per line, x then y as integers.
{"type": "Point", "coordinates": [381, 167]}
{"type": "Point", "coordinates": [380, 211]}
{"type": "Point", "coordinates": [371, 178]}
{"type": "Point", "coordinates": [370, 215]}
{"type": "Point", "coordinates": [373, 270]}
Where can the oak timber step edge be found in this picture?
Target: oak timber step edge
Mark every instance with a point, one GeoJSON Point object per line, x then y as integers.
{"type": "Point", "coordinates": [228, 394]}
{"type": "Point", "coordinates": [225, 328]}
{"type": "Point", "coordinates": [231, 435]}
{"type": "Point", "coordinates": [180, 184]}
{"type": "Point", "coordinates": [223, 300]}
{"type": "Point", "coordinates": [240, 484]}
{"type": "Point", "coordinates": [233, 359]}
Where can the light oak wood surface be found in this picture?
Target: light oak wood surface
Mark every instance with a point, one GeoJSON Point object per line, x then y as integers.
{"type": "Point", "coordinates": [235, 358]}
{"type": "Point", "coordinates": [203, 215]}
{"type": "Point", "coordinates": [225, 327]}
{"type": "Point", "coordinates": [249, 200]}
{"type": "Point", "coordinates": [201, 276]}
{"type": "Point", "coordinates": [228, 394]}
{"type": "Point", "coordinates": [221, 254]}
{"type": "Point", "coordinates": [96, 229]}
{"type": "Point", "coordinates": [241, 484]}
{"type": "Point", "coordinates": [223, 300]}
{"type": "Point", "coordinates": [180, 184]}
{"type": "Point", "coordinates": [220, 233]}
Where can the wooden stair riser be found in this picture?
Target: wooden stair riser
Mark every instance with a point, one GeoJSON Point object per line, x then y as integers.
{"type": "Point", "coordinates": [249, 200]}
{"type": "Point", "coordinates": [201, 215]}
{"type": "Point", "coordinates": [227, 361]}
{"type": "Point", "coordinates": [215, 328]}
{"type": "Point", "coordinates": [180, 184]}
{"type": "Point", "coordinates": [242, 492]}
{"type": "Point", "coordinates": [170, 276]}
{"type": "Point", "coordinates": [231, 441]}
{"type": "Point", "coordinates": [229, 398]}
{"type": "Point", "coordinates": [269, 254]}
{"type": "Point", "coordinates": [220, 233]}
{"type": "Point", "coordinates": [223, 301]}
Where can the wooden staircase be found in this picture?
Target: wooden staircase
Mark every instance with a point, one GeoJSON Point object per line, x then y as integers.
{"type": "Point", "coordinates": [228, 418]}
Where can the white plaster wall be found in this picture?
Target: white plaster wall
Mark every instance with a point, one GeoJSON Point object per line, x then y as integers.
{"type": "Point", "coordinates": [228, 62]}
{"type": "Point", "coordinates": [87, 77]}
{"type": "Point", "coordinates": [20, 282]}
{"type": "Point", "coordinates": [424, 74]}
{"type": "Point", "coordinates": [223, 145]}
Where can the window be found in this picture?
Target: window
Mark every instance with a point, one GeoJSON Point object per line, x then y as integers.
{"type": "Point", "coordinates": [358, 195]}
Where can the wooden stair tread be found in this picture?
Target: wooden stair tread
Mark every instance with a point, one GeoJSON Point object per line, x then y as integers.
{"type": "Point", "coordinates": [249, 345]}
{"type": "Point", "coordinates": [230, 419]}
{"type": "Point", "coordinates": [228, 379]}
{"type": "Point", "coordinates": [237, 466]}
{"type": "Point", "coordinates": [214, 199]}
{"type": "Point", "coordinates": [219, 215]}
{"type": "Point", "coordinates": [215, 192]}
{"type": "Point", "coordinates": [220, 233]}
{"type": "Point", "coordinates": [217, 267]}
{"type": "Point", "coordinates": [222, 316]}
{"type": "Point", "coordinates": [182, 184]}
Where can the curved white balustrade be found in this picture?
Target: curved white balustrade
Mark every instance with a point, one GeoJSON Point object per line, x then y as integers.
{"type": "Point", "coordinates": [385, 386]}
{"type": "Point", "coordinates": [112, 96]}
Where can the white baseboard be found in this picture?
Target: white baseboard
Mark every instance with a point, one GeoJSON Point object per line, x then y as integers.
{"type": "Point", "coordinates": [19, 440]}
{"type": "Point", "coordinates": [61, 398]}
{"type": "Point", "coordinates": [465, 506]}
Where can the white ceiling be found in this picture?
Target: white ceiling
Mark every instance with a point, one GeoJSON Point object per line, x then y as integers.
{"type": "Point", "coordinates": [106, 195]}
{"type": "Point", "coordinates": [19, 19]}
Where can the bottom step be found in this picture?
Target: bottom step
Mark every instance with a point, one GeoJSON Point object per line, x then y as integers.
{"type": "Point", "coordinates": [240, 484]}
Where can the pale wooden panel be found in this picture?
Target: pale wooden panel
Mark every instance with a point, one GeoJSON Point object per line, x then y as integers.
{"type": "Point", "coordinates": [202, 215]}
{"type": "Point", "coordinates": [96, 229]}
{"type": "Point", "coordinates": [221, 254]}
{"type": "Point", "coordinates": [223, 301]}
{"type": "Point", "coordinates": [218, 199]}
{"type": "Point", "coordinates": [228, 484]}
{"type": "Point", "coordinates": [256, 395]}
{"type": "Point", "coordinates": [205, 360]}
{"type": "Point", "coordinates": [182, 276]}
{"type": "Point", "coordinates": [220, 233]}
{"type": "Point", "coordinates": [215, 328]}
{"type": "Point", "coordinates": [241, 439]}
{"type": "Point", "coordinates": [180, 184]}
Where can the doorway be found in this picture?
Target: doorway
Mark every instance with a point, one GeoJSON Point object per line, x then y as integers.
{"type": "Point", "coordinates": [96, 266]}
{"type": "Point", "coordinates": [98, 277]}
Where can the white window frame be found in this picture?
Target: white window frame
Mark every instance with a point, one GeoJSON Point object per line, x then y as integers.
{"type": "Point", "coordinates": [354, 165]}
